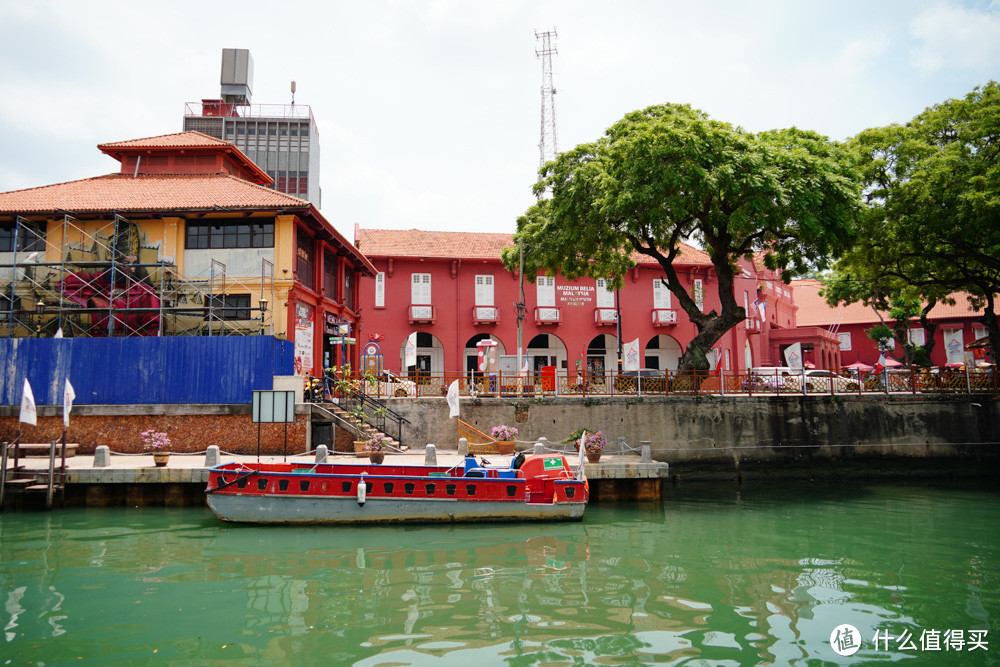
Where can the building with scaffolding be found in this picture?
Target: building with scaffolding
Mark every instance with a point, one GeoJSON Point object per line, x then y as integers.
{"type": "Point", "coordinates": [186, 239]}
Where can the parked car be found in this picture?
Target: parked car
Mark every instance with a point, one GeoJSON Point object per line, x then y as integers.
{"type": "Point", "coordinates": [821, 381]}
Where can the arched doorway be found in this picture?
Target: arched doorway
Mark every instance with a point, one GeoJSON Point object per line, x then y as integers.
{"type": "Point", "coordinates": [546, 350]}
{"type": "Point", "coordinates": [602, 354]}
{"type": "Point", "coordinates": [663, 353]}
{"type": "Point", "coordinates": [430, 356]}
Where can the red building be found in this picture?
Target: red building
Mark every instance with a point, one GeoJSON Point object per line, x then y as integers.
{"type": "Point", "coordinates": [958, 326]}
{"type": "Point", "coordinates": [451, 289]}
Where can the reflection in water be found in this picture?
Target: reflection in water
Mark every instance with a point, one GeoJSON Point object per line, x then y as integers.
{"type": "Point", "coordinates": [720, 574]}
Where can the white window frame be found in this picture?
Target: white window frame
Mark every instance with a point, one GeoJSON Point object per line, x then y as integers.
{"type": "Point", "coordinates": [661, 294]}
{"type": "Point", "coordinates": [605, 296]}
{"type": "Point", "coordinates": [380, 289]}
{"type": "Point", "coordinates": [420, 289]}
{"type": "Point", "coordinates": [699, 294]}
{"type": "Point", "coordinates": [484, 290]}
{"type": "Point", "coordinates": [916, 336]}
{"type": "Point", "coordinates": [845, 340]}
{"type": "Point", "coordinates": [545, 291]}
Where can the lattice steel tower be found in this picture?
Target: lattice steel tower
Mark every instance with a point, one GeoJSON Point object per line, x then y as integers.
{"type": "Point", "coordinates": [545, 48]}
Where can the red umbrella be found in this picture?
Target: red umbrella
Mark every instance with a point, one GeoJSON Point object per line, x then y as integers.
{"type": "Point", "coordinates": [859, 366]}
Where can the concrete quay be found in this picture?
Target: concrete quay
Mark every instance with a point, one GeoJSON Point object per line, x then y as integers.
{"type": "Point", "coordinates": [105, 480]}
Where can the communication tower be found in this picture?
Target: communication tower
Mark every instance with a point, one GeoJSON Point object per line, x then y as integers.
{"type": "Point", "coordinates": [545, 48]}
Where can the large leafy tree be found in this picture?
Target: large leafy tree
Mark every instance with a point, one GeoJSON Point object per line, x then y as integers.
{"type": "Point", "coordinates": [931, 225]}
{"type": "Point", "coordinates": [669, 173]}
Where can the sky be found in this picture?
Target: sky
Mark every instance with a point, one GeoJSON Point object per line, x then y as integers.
{"type": "Point", "coordinates": [429, 111]}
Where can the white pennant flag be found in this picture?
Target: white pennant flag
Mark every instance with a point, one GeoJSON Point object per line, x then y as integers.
{"type": "Point", "coordinates": [59, 333]}
{"type": "Point", "coordinates": [410, 353]}
{"type": "Point", "coordinates": [29, 412]}
{"type": "Point", "coordinates": [452, 399]}
{"type": "Point", "coordinates": [583, 446]}
{"type": "Point", "coordinates": [631, 352]}
{"type": "Point", "coordinates": [68, 396]}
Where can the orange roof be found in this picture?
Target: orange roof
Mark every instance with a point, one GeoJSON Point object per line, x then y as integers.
{"type": "Point", "coordinates": [189, 139]}
{"type": "Point", "coordinates": [467, 245]}
{"type": "Point", "coordinates": [814, 311]}
{"type": "Point", "coordinates": [150, 192]}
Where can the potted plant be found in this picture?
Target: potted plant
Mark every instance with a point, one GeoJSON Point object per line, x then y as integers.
{"type": "Point", "coordinates": [505, 438]}
{"type": "Point", "coordinates": [593, 445]}
{"type": "Point", "coordinates": [158, 443]}
{"type": "Point", "coordinates": [375, 446]}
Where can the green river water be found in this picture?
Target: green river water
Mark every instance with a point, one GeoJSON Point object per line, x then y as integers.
{"type": "Point", "coordinates": [713, 575]}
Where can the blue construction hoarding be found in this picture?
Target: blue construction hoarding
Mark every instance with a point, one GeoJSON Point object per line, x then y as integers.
{"type": "Point", "coordinates": [135, 371]}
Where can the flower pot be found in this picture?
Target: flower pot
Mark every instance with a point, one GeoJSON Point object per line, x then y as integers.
{"type": "Point", "coordinates": [376, 457]}
{"type": "Point", "coordinates": [360, 448]}
{"type": "Point", "coordinates": [160, 458]}
{"type": "Point", "coordinates": [593, 457]}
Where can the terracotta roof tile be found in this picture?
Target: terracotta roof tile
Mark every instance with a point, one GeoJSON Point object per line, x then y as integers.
{"type": "Point", "coordinates": [187, 139]}
{"type": "Point", "coordinates": [120, 192]}
{"type": "Point", "coordinates": [471, 245]}
{"type": "Point", "coordinates": [814, 311]}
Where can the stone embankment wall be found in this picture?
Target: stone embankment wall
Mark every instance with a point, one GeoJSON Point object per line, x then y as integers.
{"type": "Point", "coordinates": [705, 433]}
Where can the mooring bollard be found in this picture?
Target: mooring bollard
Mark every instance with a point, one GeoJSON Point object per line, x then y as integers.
{"type": "Point", "coordinates": [102, 456]}
{"type": "Point", "coordinates": [430, 455]}
{"type": "Point", "coordinates": [211, 456]}
{"type": "Point", "coordinates": [321, 453]}
{"type": "Point", "coordinates": [646, 452]}
{"type": "Point", "coordinates": [541, 445]}
{"type": "Point", "coordinates": [463, 447]}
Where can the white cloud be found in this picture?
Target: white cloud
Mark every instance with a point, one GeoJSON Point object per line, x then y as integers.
{"type": "Point", "coordinates": [950, 36]}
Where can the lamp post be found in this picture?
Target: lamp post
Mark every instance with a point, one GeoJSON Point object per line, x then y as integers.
{"type": "Point", "coordinates": [618, 322]}
{"type": "Point", "coordinates": [263, 310]}
{"type": "Point", "coordinates": [40, 309]}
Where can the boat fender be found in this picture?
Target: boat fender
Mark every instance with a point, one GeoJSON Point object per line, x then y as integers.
{"type": "Point", "coordinates": [362, 489]}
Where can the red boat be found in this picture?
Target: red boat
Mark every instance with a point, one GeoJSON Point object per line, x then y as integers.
{"type": "Point", "coordinates": [537, 487]}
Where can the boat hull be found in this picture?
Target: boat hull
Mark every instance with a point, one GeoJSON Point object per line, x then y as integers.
{"type": "Point", "coordinates": [299, 509]}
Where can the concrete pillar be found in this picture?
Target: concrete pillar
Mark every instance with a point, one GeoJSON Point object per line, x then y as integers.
{"type": "Point", "coordinates": [102, 456]}
{"type": "Point", "coordinates": [541, 445]}
{"type": "Point", "coordinates": [430, 455]}
{"type": "Point", "coordinates": [321, 453]}
{"type": "Point", "coordinates": [646, 453]}
{"type": "Point", "coordinates": [212, 456]}
{"type": "Point", "coordinates": [463, 447]}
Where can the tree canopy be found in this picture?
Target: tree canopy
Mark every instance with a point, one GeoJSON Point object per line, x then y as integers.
{"type": "Point", "coordinates": [931, 224]}
{"type": "Point", "coordinates": [669, 173]}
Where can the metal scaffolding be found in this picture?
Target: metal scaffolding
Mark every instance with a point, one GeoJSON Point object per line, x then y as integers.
{"type": "Point", "coordinates": [107, 283]}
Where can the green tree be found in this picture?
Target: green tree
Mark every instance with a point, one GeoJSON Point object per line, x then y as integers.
{"type": "Point", "coordinates": [669, 173]}
{"type": "Point", "coordinates": [931, 225]}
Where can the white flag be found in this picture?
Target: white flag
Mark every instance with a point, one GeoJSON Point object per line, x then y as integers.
{"type": "Point", "coordinates": [524, 370]}
{"type": "Point", "coordinates": [29, 413]}
{"type": "Point", "coordinates": [631, 354]}
{"type": "Point", "coordinates": [452, 399]}
{"type": "Point", "coordinates": [410, 354]}
{"type": "Point", "coordinates": [793, 355]}
{"type": "Point", "coordinates": [68, 396]}
{"type": "Point", "coordinates": [583, 442]}
{"type": "Point", "coordinates": [59, 333]}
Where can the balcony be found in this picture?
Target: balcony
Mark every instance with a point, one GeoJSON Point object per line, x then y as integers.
{"type": "Point", "coordinates": [485, 314]}
{"type": "Point", "coordinates": [605, 316]}
{"type": "Point", "coordinates": [422, 313]}
{"type": "Point", "coordinates": [664, 317]}
{"type": "Point", "coordinates": [548, 315]}
{"type": "Point", "coordinates": [753, 325]}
